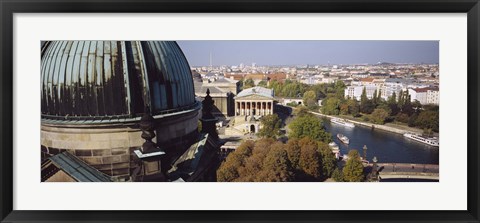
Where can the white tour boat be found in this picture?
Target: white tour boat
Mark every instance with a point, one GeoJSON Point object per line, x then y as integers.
{"type": "Point", "coordinates": [342, 122]}
{"type": "Point", "coordinates": [429, 141]}
{"type": "Point", "coordinates": [343, 138]}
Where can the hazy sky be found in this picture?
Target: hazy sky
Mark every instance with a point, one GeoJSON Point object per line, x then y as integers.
{"type": "Point", "coordinates": [233, 52]}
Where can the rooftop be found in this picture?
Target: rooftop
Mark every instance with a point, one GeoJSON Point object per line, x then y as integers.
{"type": "Point", "coordinates": [265, 92]}
{"type": "Point", "coordinates": [77, 169]}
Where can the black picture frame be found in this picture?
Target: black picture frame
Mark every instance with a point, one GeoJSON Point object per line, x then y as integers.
{"type": "Point", "coordinates": [9, 7]}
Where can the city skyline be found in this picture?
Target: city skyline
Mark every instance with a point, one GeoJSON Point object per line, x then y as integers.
{"type": "Point", "coordinates": [321, 52]}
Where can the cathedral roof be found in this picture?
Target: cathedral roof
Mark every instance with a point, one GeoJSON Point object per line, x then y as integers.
{"type": "Point", "coordinates": [96, 80]}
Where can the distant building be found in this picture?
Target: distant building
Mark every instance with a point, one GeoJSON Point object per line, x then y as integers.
{"type": "Point", "coordinates": [356, 91]}
{"type": "Point", "coordinates": [392, 85]}
{"type": "Point", "coordinates": [419, 94]}
{"type": "Point", "coordinates": [433, 96]}
{"type": "Point", "coordinates": [222, 91]}
{"type": "Point", "coordinates": [427, 95]}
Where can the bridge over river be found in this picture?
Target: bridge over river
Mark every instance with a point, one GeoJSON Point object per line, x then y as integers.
{"type": "Point", "coordinates": [406, 171]}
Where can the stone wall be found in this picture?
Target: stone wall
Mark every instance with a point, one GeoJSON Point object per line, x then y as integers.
{"type": "Point", "coordinates": [110, 148]}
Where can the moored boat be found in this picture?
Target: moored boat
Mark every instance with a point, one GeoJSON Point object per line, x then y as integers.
{"type": "Point", "coordinates": [333, 146]}
{"type": "Point", "coordinates": [343, 138]}
{"type": "Point", "coordinates": [335, 150]}
{"type": "Point", "coordinates": [342, 122]}
{"type": "Point", "coordinates": [429, 141]}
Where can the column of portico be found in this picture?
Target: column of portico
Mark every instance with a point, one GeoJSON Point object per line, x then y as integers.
{"type": "Point", "coordinates": [246, 108]}
{"type": "Point", "coordinates": [258, 108]}
{"type": "Point", "coordinates": [251, 107]}
{"type": "Point", "coordinates": [242, 108]}
{"type": "Point", "coordinates": [271, 109]}
{"type": "Point", "coordinates": [236, 107]}
{"type": "Point", "coordinates": [264, 106]}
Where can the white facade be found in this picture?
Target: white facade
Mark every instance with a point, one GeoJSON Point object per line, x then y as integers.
{"type": "Point", "coordinates": [433, 97]}
{"type": "Point", "coordinates": [419, 95]}
{"type": "Point", "coordinates": [389, 88]}
{"type": "Point", "coordinates": [356, 91]}
{"type": "Point", "coordinates": [425, 95]}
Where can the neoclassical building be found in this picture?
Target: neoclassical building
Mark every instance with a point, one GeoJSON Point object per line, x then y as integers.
{"type": "Point", "coordinates": [250, 105]}
{"type": "Point", "coordinates": [256, 101]}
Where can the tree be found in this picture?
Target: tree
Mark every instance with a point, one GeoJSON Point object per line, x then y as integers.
{"type": "Point", "coordinates": [331, 106]}
{"type": "Point", "coordinates": [309, 126]}
{"type": "Point", "coordinates": [262, 83]}
{"type": "Point", "coordinates": [248, 83]}
{"type": "Point", "coordinates": [310, 160]}
{"type": "Point", "coordinates": [401, 99]}
{"type": "Point", "coordinates": [379, 116]}
{"type": "Point", "coordinates": [366, 105]}
{"type": "Point", "coordinates": [344, 109]}
{"type": "Point", "coordinates": [402, 117]}
{"type": "Point", "coordinates": [353, 107]}
{"type": "Point", "coordinates": [229, 169]}
{"type": "Point", "coordinates": [417, 107]}
{"type": "Point", "coordinates": [339, 89]}
{"type": "Point", "coordinates": [293, 152]}
{"type": "Point", "coordinates": [392, 99]}
{"type": "Point", "coordinates": [337, 175]}
{"type": "Point", "coordinates": [428, 120]}
{"type": "Point", "coordinates": [392, 103]}
{"type": "Point", "coordinates": [407, 107]}
{"type": "Point", "coordinates": [353, 169]}
{"type": "Point", "coordinates": [310, 99]}
{"type": "Point", "coordinates": [363, 97]}
{"type": "Point", "coordinates": [270, 126]}
{"type": "Point", "coordinates": [374, 98]}
{"type": "Point", "coordinates": [329, 162]}
{"type": "Point", "coordinates": [301, 111]}
{"type": "Point", "coordinates": [276, 166]}
{"type": "Point", "coordinates": [385, 107]}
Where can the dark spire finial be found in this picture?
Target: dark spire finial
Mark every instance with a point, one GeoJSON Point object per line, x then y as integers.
{"type": "Point", "coordinates": [207, 105]}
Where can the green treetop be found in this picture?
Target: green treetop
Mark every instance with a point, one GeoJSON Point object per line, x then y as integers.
{"type": "Point", "coordinates": [353, 169]}
{"type": "Point", "coordinates": [309, 126]}
{"type": "Point", "coordinates": [270, 126]}
{"type": "Point", "coordinates": [310, 99]}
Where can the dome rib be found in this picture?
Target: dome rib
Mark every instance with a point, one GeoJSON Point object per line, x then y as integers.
{"type": "Point", "coordinates": [104, 80]}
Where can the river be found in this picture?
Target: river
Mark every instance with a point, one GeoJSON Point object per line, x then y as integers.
{"type": "Point", "coordinates": [387, 147]}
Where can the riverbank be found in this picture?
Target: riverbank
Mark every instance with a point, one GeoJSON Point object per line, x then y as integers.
{"type": "Point", "coordinates": [396, 129]}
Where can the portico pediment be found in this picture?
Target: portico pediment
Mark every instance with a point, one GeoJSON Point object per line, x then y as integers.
{"type": "Point", "coordinates": [253, 97]}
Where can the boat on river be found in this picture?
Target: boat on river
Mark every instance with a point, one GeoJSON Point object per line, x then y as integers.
{"type": "Point", "coordinates": [342, 122]}
{"type": "Point", "coordinates": [333, 146]}
{"type": "Point", "coordinates": [433, 141]}
{"type": "Point", "coordinates": [343, 138]}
